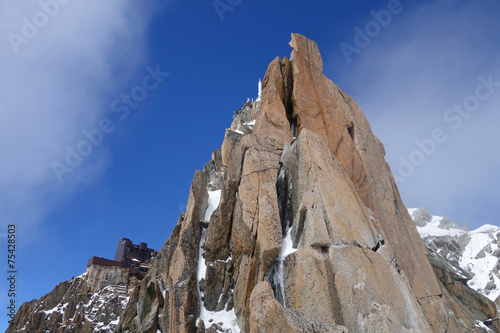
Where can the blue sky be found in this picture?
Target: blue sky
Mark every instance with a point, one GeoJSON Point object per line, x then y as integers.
{"type": "Point", "coordinates": [152, 88]}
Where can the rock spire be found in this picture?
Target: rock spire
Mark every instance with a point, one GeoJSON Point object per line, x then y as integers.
{"type": "Point", "coordinates": [295, 235]}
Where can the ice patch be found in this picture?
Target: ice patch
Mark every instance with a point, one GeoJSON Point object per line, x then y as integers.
{"type": "Point", "coordinates": [286, 250]}
{"type": "Point", "coordinates": [281, 174]}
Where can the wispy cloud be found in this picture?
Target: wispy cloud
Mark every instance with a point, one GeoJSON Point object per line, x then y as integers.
{"type": "Point", "coordinates": [59, 81]}
{"type": "Point", "coordinates": [429, 59]}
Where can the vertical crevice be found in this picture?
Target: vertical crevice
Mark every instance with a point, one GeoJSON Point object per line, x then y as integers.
{"type": "Point", "coordinates": [286, 73]}
{"type": "Point", "coordinates": [328, 224]}
{"type": "Point", "coordinates": [350, 130]}
{"type": "Point", "coordinates": [300, 226]}
{"type": "Point", "coordinates": [283, 200]}
{"type": "Point", "coordinates": [336, 303]}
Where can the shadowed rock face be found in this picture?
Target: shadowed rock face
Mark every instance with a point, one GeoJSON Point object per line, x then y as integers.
{"type": "Point", "coordinates": [309, 234]}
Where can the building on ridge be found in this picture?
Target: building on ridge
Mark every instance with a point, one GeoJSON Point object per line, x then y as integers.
{"type": "Point", "coordinates": [126, 252]}
{"type": "Point", "coordinates": [130, 257]}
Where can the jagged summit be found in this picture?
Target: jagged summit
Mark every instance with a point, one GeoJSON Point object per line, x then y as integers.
{"type": "Point", "coordinates": [294, 235]}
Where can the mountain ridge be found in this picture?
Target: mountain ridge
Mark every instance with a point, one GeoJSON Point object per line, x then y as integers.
{"type": "Point", "coordinates": [295, 224]}
{"type": "Point", "coordinates": [476, 251]}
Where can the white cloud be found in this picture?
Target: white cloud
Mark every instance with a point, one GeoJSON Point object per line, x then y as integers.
{"type": "Point", "coordinates": [59, 81]}
{"type": "Point", "coordinates": [425, 61]}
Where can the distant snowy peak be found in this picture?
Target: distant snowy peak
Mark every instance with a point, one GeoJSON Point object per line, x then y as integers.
{"type": "Point", "coordinates": [477, 251]}
{"type": "Point", "coordinates": [429, 225]}
{"type": "Point", "coordinates": [433, 225]}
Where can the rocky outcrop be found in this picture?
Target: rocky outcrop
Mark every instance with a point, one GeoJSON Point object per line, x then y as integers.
{"type": "Point", "coordinates": [99, 277]}
{"type": "Point", "coordinates": [295, 225]}
{"type": "Point", "coordinates": [73, 307]}
{"type": "Point", "coordinates": [422, 217]}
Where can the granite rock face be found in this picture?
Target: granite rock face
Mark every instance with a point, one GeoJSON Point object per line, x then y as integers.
{"type": "Point", "coordinates": [268, 315]}
{"type": "Point", "coordinates": [295, 225]}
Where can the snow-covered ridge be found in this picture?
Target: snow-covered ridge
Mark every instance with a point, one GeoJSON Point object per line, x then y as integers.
{"type": "Point", "coordinates": [477, 251]}
{"type": "Point", "coordinates": [434, 225]}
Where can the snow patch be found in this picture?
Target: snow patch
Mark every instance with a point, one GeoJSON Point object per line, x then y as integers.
{"type": "Point", "coordinates": [250, 124]}
{"type": "Point", "coordinates": [287, 247]}
{"type": "Point", "coordinates": [58, 308]}
{"type": "Point", "coordinates": [213, 203]}
{"type": "Point", "coordinates": [480, 324]}
{"type": "Point", "coordinates": [226, 319]}
{"type": "Point", "coordinates": [202, 266]}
